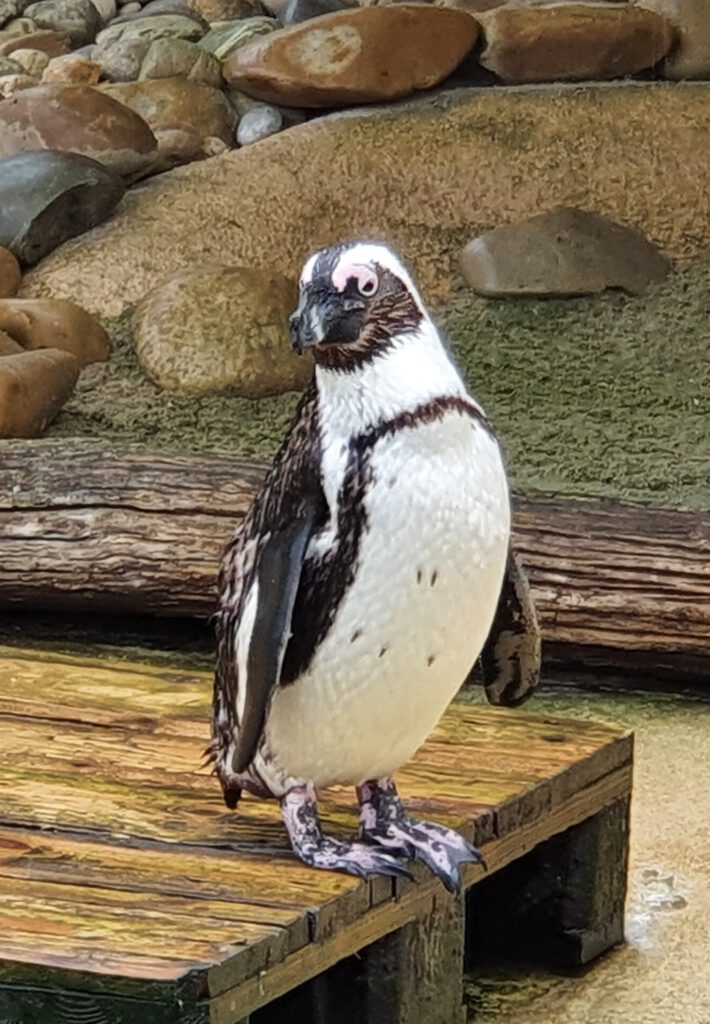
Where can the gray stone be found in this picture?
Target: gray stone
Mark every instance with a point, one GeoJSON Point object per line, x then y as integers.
{"type": "Point", "coordinates": [106, 8]}
{"type": "Point", "coordinates": [79, 20]}
{"type": "Point", "coordinates": [148, 29]}
{"type": "Point", "coordinates": [259, 123]}
{"type": "Point", "coordinates": [563, 252]}
{"type": "Point", "coordinates": [47, 197]}
{"type": "Point", "coordinates": [225, 39]}
{"type": "Point", "coordinates": [8, 9]}
{"type": "Point", "coordinates": [304, 10]}
{"type": "Point", "coordinates": [169, 58]}
{"type": "Point", "coordinates": [121, 61]}
{"type": "Point", "coordinates": [8, 66]}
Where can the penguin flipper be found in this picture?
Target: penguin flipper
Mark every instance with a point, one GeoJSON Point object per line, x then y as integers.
{"type": "Point", "coordinates": [511, 657]}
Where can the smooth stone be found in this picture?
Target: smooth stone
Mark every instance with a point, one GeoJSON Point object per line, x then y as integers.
{"type": "Point", "coordinates": [170, 58]}
{"type": "Point", "coordinates": [33, 388]}
{"type": "Point", "coordinates": [9, 9]}
{"type": "Point", "coordinates": [690, 55]}
{"type": "Point", "coordinates": [225, 10]}
{"type": "Point", "coordinates": [133, 8]}
{"type": "Point", "coordinates": [79, 20]}
{"type": "Point", "coordinates": [11, 84]}
{"type": "Point", "coordinates": [259, 123]}
{"type": "Point", "coordinates": [8, 66]}
{"type": "Point", "coordinates": [55, 323]}
{"type": "Point", "coordinates": [10, 273]}
{"type": "Point", "coordinates": [226, 39]}
{"type": "Point", "coordinates": [121, 61]}
{"type": "Point", "coordinates": [107, 10]}
{"type": "Point", "coordinates": [563, 252]}
{"type": "Point", "coordinates": [303, 10]}
{"type": "Point", "coordinates": [72, 70]}
{"type": "Point", "coordinates": [173, 7]}
{"type": "Point", "coordinates": [51, 43]}
{"type": "Point", "coordinates": [210, 328]}
{"type": "Point", "coordinates": [19, 27]}
{"type": "Point", "coordinates": [8, 347]}
{"type": "Point", "coordinates": [367, 55]}
{"type": "Point", "coordinates": [48, 197]}
{"type": "Point", "coordinates": [33, 61]}
{"type": "Point", "coordinates": [157, 26]}
{"type": "Point", "coordinates": [571, 41]}
{"type": "Point", "coordinates": [78, 119]}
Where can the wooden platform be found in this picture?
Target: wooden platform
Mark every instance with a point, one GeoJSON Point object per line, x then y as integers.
{"type": "Point", "coordinates": [129, 894]}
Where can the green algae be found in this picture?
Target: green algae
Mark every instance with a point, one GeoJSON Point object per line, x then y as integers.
{"type": "Point", "coordinates": [606, 396]}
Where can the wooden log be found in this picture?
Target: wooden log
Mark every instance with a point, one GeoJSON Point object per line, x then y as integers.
{"type": "Point", "coordinates": [85, 528]}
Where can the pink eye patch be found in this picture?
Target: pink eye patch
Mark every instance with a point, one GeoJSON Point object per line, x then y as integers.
{"type": "Point", "coordinates": [367, 281]}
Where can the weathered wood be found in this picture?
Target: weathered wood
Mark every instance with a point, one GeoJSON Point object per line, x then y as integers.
{"type": "Point", "coordinates": [89, 529]}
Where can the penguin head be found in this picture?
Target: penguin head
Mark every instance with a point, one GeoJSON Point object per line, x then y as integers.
{"type": "Point", "coordinates": [354, 299]}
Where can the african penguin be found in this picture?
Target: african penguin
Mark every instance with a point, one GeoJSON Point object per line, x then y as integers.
{"type": "Point", "coordinates": [364, 582]}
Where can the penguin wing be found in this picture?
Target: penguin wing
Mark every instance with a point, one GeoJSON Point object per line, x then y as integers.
{"type": "Point", "coordinates": [259, 580]}
{"type": "Point", "coordinates": [511, 656]}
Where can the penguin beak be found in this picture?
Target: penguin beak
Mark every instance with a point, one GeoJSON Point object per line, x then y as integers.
{"type": "Point", "coordinates": [311, 323]}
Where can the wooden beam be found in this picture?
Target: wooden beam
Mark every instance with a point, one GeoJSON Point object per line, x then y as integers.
{"type": "Point", "coordinates": [86, 528]}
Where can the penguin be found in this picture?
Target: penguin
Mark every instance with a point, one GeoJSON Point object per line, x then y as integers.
{"type": "Point", "coordinates": [373, 570]}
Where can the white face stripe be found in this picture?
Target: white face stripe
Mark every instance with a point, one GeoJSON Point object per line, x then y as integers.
{"type": "Point", "coordinates": [307, 272]}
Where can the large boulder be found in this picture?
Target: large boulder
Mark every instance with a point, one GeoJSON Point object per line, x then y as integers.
{"type": "Point", "coordinates": [211, 328]}
{"type": "Point", "coordinates": [366, 55]}
{"type": "Point", "coordinates": [78, 119]}
{"type": "Point", "coordinates": [47, 197]}
{"type": "Point", "coordinates": [425, 176]}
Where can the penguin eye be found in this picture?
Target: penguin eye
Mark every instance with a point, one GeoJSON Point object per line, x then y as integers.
{"type": "Point", "coordinates": [367, 283]}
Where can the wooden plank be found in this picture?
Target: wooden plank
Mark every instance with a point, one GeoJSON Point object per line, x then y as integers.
{"type": "Point", "coordinates": [85, 527]}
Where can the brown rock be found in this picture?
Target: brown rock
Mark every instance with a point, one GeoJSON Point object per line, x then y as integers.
{"type": "Point", "coordinates": [56, 324]}
{"type": "Point", "coordinates": [10, 273]}
{"type": "Point", "coordinates": [421, 175]}
{"type": "Point", "coordinates": [563, 252]}
{"type": "Point", "coordinates": [33, 388]}
{"type": "Point", "coordinates": [360, 56]}
{"type": "Point", "coordinates": [51, 43]}
{"type": "Point", "coordinates": [572, 42]}
{"type": "Point", "coordinates": [211, 328]}
{"type": "Point", "coordinates": [8, 346]}
{"type": "Point", "coordinates": [177, 104]}
{"type": "Point", "coordinates": [690, 56]}
{"type": "Point", "coordinates": [77, 119]}
{"type": "Point", "coordinates": [71, 69]}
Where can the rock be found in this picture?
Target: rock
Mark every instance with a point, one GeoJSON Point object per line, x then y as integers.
{"type": "Point", "coordinates": [171, 7]}
{"type": "Point", "coordinates": [572, 42]}
{"type": "Point", "coordinates": [121, 61]}
{"type": "Point", "coordinates": [258, 123]}
{"type": "Point", "coordinates": [170, 58]}
{"type": "Point", "coordinates": [421, 174]}
{"type": "Point", "coordinates": [8, 9]}
{"type": "Point", "coordinates": [157, 26]}
{"type": "Point", "coordinates": [225, 10]}
{"type": "Point", "coordinates": [79, 20]}
{"type": "Point", "coordinates": [48, 197]}
{"type": "Point", "coordinates": [78, 119]}
{"type": "Point", "coordinates": [177, 104]}
{"type": "Point", "coordinates": [690, 56]}
{"type": "Point", "coordinates": [33, 61]}
{"type": "Point", "coordinates": [10, 84]}
{"type": "Point", "coordinates": [10, 273]}
{"type": "Point", "coordinates": [130, 9]}
{"type": "Point", "coordinates": [33, 388]}
{"type": "Point", "coordinates": [72, 70]}
{"type": "Point", "coordinates": [303, 10]}
{"type": "Point", "coordinates": [8, 66]}
{"type": "Point", "coordinates": [563, 252]}
{"type": "Point", "coordinates": [8, 347]}
{"type": "Point", "coordinates": [225, 39]}
{"type": "Point", "coordinates": [211, 328]}
{"type": "Point", "coordinates": [55, 323]}
{"type": "Point", "coordinates": [107, 10]}
{"type": "Point", "coordinates": [18, 27]}
{"type": "Point", "coordinates": [361, 56]}
{"type": "Point", "coordinates": [51, 43]}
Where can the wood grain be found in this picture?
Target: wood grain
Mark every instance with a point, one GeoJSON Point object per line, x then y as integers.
{"type": "Point", "coordinates": [86, 528]}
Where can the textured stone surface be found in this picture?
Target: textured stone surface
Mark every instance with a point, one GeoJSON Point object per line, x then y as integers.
{"type": "Point", "coordinates": [71, 70]}
{"type": "Point", "coordinates": [8, 347]}
{"type": "Point", "coordinates": [178, 104]}
{"type": "Point", "coordinates": [157, 26]}
{"type": "Point", "coordinates": [55, 323]}
{"type": "Point", "coordinates": [10, 274]}
{"type": "Point", "coordinates": [169, 58]}
{"type": "Point", "coordinates": [78, 119]}
{"type": "Point", "coordinates": [48, 197]}
{"type": "Point", "coordinates": [210, 328]}
{"type": "Point", "coordinates": [259, 123]}
{"type": "Point", "coordinates": [572, 42]}
{"type": "Point", "coordinates": [297, 11]}
{"type": "Point", "coordinates": [361, 56]}
{"type": "Point", "coordinates": [563, 252]}
{"type": "Point", "coordinates": [428, 175]}
{"type": "Point", "coordinates": [10, 84]}
{"type": "Point", "coordinates": [121, 61]}
{"type": "Point", "coordinates": [33, 61]}
{"type": "Point", "coordinates": [33, 388]}
{"type": "Point", "coordinates": [225, 10]}
{"type": "Point", "coordinates": [690, 56]}
{"type": "Point", "coordinates": [79, 20]}
{"type": "Point", "coordinates": [224, 40]}
{"type": "Point", "coordinates": [8, 66]}
{"type": "Point", "coordinates": [51, 43]}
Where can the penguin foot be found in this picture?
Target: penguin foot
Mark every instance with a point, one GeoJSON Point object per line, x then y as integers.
{"type": "Point", "coordinates": [384, 822]}
{"type": "Point", "coordinates": [299, 808]}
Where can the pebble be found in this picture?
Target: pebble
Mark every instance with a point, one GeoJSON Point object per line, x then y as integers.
{"type": "Point", "coordinates": [72, 70]}
{"type": "Point", "coordinates": [564, 252]}
{"type": "Point", "coordinates": [78, 20]}
{"type": "Point", "coordinates": [33, 388]}
{"type": "Point", "coordinates": [11, 84]}
{"type": "Point", "coordinates": [10, 273]}
{"type": "Point", "coordinates": [259, 123]}
{"type": "Point", "coordinates": [147, 29]}
{"type": "Point", "coordinates": [225, 10]}
{"type": "Point", "coordinates": [365, 55]}
{"type": "Point", "coordinates": [10, 67]}
{"type": "Point", "coordinates": [33, 61]}
{"type": "Point", "coordinates": [170, 58]}
{"type": "Point", "coordinates": [210, 328]}
{"type": "Point", "coordinates": [121, 61]}
{"type": "Point", "coordinates": [55, 323]}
